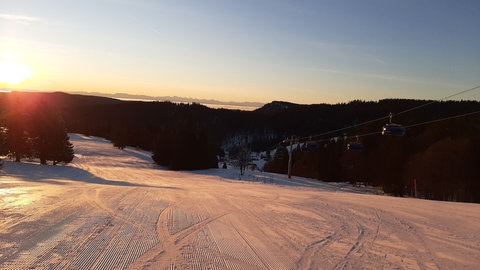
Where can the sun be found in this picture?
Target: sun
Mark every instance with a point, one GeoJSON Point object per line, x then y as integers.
{"type": "Point", "coordinates": [13, 72]}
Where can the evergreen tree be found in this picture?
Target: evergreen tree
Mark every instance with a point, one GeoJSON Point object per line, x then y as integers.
{"type": "Point", "coordinates": [162, 148]}
{"type": "Point", "coordinates": [279, 163]}
{"type": "Point", "coordinates": [184, 146]}
{"type": "Point", "coordinates": [64, 151]}
{"type": "Point", "coordinates": [50, 139]}
{"type": "Point", "coordinates": [18, 141]}
{"type": "Point", "coordinates": [3, 141]}
{"type": "Point", "coordinates": [119, 135]}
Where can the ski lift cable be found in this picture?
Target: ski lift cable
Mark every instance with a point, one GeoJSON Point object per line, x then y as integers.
{"type": "Point", "coordinates": [414, 125]}
{"type": "Point", "coordinates": [349, 127]}
{"type": "Point", "coordinates": [410, 126]}
{"type": "Point", "coordinates": [386, 117]}
{"type": "Point", "coordinates": [303, 139]}
{"type": "Point", "coordinates": [435, 101]}
{"type": "Point", "coordinates": [443, 119]}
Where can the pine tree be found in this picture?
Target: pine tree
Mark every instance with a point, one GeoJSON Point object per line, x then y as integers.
{"type": "Point", "coordinates": [65, 150]}
{"type": "Point", "coordinates": [184, 146]}
{"type": "Point", "coordinates": [50, 139]}
{"type": "Point", "coordinates": [3, 141]}
{"type": "Point", "coordinates": [18, 141]}
{"type": "Point", "coordinates": [119, 135]}
{"type": "Point", "coordinates": [162, 148]}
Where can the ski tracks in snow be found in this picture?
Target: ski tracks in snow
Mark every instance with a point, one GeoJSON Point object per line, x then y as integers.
{"type": "Point", "coordinates": [113, 209]}
{"type": "Point", "coordinates": [199, 237]}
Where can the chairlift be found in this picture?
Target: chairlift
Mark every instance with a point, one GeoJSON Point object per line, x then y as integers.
{"type": "Point", "coordinates": [393, 129]}
{"type": "Point", "coordinates": [356, 146]}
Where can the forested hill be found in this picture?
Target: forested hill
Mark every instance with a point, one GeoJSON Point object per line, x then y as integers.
{"type": "Point", "coordinates": [440, 147]}
{"type": "Point", "coordinates": [141, 121]}
{"type": "Point", "coordinates": [267, 126]}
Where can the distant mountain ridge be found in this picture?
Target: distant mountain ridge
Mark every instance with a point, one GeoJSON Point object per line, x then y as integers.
{"type": "Point", "coordinates": [276, 106]}
{"type": "Point", "coordinates": [217, 103]}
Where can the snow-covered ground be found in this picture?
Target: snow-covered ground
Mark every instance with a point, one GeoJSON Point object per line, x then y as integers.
{"type": "Point", "coordinates": [114, 209]}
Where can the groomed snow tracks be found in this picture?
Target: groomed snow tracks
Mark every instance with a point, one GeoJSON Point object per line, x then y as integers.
{"type": "Point", "coordinates": [92, 238]}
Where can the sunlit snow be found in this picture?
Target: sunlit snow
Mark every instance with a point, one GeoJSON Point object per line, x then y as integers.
{"type": "Point", "coordinates": [116, 209]}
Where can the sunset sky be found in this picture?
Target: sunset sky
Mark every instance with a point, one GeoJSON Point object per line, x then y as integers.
{"type": "Point", "coordinates": [243, 50]}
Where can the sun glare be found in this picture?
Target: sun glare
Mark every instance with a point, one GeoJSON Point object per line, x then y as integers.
{"type": "Point", "coordinates": [13, 72]}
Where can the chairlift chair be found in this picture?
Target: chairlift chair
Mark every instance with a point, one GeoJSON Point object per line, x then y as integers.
{"type": "Point", "coordinates": [393, 129]}
{"type": "Point", "coordinates": [355, 145]}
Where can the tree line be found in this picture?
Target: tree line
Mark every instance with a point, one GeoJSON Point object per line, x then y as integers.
{"type": "Point", "coordinates": [440, 156]}
{"type": "Point", "coordinates": [439, 159]}
{"type": "Point", "coordinates": [34, 130]}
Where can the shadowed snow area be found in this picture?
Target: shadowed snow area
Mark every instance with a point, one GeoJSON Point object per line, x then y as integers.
{"type": "Point", "coordinates": [116, 209]}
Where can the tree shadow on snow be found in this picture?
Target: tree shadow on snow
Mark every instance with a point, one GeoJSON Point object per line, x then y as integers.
{"type": "Point", "coordinates": [60, 175]}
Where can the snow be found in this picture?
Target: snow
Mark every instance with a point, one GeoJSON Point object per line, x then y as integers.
{"type": "Point", "coordinates": [115, 209]}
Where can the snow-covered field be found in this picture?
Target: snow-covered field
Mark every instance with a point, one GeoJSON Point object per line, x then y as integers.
{"type": "Point", "coordinates": [114, 209]}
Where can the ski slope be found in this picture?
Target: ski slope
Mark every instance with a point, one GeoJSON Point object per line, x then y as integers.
{"type": "Point", "coordinates": [114, 209]}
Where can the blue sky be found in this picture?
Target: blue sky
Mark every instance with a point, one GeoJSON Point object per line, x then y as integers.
{"type": "Point", "coordinates": [263, 50]}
